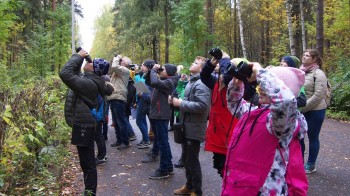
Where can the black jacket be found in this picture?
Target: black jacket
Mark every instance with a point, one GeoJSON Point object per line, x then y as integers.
{"type": "Point", "coordinates": [83, 92]}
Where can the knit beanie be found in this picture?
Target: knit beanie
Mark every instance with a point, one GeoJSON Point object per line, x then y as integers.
{"type": "Point", "coordinates": [292, 77]}
{"type": "Point", "coordinates": [170, 69]}
{"type": "Point", "coordinates": [292, 61]}
{"type": "Point", "coordinates": [100, 66]}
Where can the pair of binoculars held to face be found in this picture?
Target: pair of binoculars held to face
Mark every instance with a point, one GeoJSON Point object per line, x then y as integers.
{"type": "Point", "coordinates": [242, 71]}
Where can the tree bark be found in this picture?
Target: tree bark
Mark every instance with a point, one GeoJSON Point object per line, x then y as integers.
{"type": "Point", "coordinates": [210, 22]}
{"type": "Point", "coordinates": [235, 30]}
{"type": "Point", "coordinates": [166, 30]}
{"type": "Point", "coordinates": [319, 27]}
{"type": "Point", "coordinates": [290, 28]}
{"type": "Point", "coordinates": [241, 27]}
{"type": "Point", "coordinates": [303, 36]}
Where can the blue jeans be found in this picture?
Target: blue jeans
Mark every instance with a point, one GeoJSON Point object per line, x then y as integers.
{"type": "Point", "coordinates": [142, 124]}
{"type": "Point", "coordinates": [314, 121]}
{"type": "Point", "coordinates": [130, 129]}
{"type": "Point", "coordinates": [161, 138]}
{"type": "Point", "coordinates": [121, 127]}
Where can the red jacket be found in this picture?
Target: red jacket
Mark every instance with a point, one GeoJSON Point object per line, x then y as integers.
{"type": "Point", "coordinates": [221, 123]}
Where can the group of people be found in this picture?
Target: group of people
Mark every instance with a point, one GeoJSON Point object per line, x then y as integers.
{"type": "Point", "coordinates": [254, 125]}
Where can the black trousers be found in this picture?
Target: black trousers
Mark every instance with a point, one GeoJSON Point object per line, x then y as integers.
{"type": "Point", "coordinates": [193, 166]}
{"type": "Point", "coordinates": [100, 142]}
{"type": "Point", "coordinates": [88, 165]}
{"type": "Point", "coordinates": [219, 162]}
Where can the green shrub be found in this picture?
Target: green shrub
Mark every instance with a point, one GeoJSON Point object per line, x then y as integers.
{"type": "Point", "coordinates": [33, 136]}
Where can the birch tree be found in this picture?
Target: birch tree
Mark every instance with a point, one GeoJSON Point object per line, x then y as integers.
{"type": "Point", "coordinates": [290, 28]}
{"type": "Point", "coordinates": [238, 6]}
{"type": "Point", "coordinates": [302, 20]}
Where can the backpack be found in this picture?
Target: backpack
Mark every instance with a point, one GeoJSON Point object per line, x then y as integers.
{"type": "Point", "coordinates": [328, 98]}
{"type": "Point", "coordinates": [99, 112]}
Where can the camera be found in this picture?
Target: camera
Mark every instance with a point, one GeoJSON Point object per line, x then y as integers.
{"type": "Point", "coordinates": [87, 58]}
{"type": "Point", "coordinates": [175, 94]}
{"type": "Point", "coordinates": [216, 53]}
{"type": "Point", "coordinates": [161, 68]}
{"type": "Point", "coordinates": [132, 67]}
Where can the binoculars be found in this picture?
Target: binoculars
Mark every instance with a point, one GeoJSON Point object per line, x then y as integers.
{"type": "Point", "coordinates": [216, 53]}
{"type": "Point", "coordinates": [241, 72]}
{"type": "Point", "coordinates": [87, 58]}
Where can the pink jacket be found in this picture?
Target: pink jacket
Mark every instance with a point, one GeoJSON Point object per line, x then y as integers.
{"type": "Point", "coordinates": [251, 154]}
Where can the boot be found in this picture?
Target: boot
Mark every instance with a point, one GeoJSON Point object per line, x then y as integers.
{"type": "Point", "coordinates": [183, 191]}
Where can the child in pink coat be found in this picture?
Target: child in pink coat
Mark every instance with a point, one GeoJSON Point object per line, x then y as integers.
{"type": "Point", "coordinates": [265, 144]}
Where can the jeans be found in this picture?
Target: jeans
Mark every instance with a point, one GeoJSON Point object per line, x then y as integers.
{"type": "Point", "coordinates": [105, 123]}
{"type": "Point", "coordinates": [161, 138]}
{"type": "Point", "coordinates": [142, 124]}
{"type": "Point", "coordinates": [130, 129]}
{"type": "Point", "coordinates": [192, 165]}
{"type": "Point", "coordinates": [121, 127]}
{"type": "Point", "coordinates": [99, 139]}
{"type": "Point", "coordinates": [88, 165]}
{"type": "Point", "coordinates": [314, 121]}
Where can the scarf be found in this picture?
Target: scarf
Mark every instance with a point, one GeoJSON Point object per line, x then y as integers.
{"type": "Point", "coordinates": [309, 68]}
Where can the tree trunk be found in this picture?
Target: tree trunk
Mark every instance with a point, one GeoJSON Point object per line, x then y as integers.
{"type": "Point", "coordinates": [241, 27]}
{"type": "Point", "coordinates": [261, 59]}
{"type": "Point", "coordinates": [290, 28]}
{"type": "Point", "coordinates": [210, 22]}
{"type": "Point", "coordinates": [156, 50]}
{"type": "Point", "coordinates": [166, 30]}
{"type": "Point", "coordinates": [319, 27]}
{"type": "Point", "coordinates": [268, 37]}
{"type": "Point", "coordinates": [303, 38]}
{"type": "Point", "coordinates": [235, 31]}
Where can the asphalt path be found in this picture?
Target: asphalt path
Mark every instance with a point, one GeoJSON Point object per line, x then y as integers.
{"type": "Point", "coordinates": [124, 174]}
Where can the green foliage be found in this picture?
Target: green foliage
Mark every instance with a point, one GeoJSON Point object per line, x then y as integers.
{"type": "Point", "coordinates": [341, 88]}
{"type": "Point", "coordinates": [30, 122]}
{"type": "Point", "coordinates": [34, 43]}
{"type": "Point", "coordinates": [189, 16]}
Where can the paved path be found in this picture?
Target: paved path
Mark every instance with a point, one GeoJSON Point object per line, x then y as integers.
{"type": "Point", "coordinates": [124, 174]}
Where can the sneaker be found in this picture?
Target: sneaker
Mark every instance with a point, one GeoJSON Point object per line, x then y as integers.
{"type": "Point", "coordinates": [159, 175]}
{"type": "Point", "coordinates": [150, 157]}
{"type": "Point", "coordinates": [143, 145]}
{"type": "Point", "coordinates": [123, 146]}
{"type": "Point", "coordinates": [115, 144]}
{"type": "Point", "coordinates": [183, 191]}
{"type": "Point", "coordinates": [139, 144]}
{"type": "Point", "coordinates": [310, 168]}
{"type": "Point", "coordinates": [171, 171]}
{"type": "Point", "coordinates": [179, 164]}
{"type": "Point", "coordinates": [132, 137]}
{"type": "Point", "coordinates": [101, 161]}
